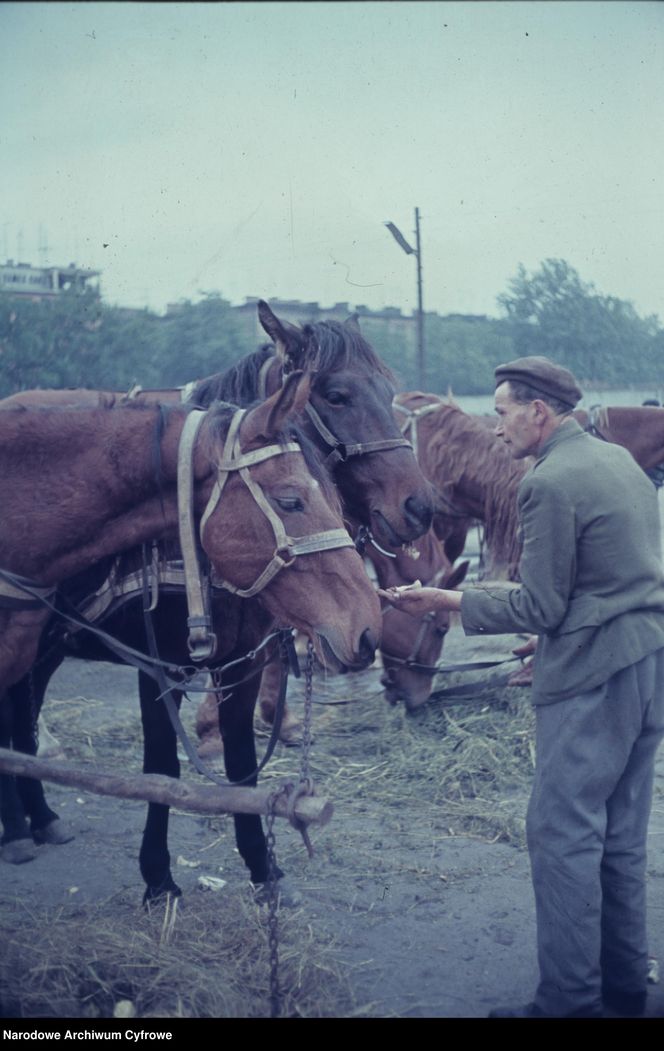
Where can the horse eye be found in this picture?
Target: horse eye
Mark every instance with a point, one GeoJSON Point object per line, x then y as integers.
{"type": "Point", "coordinates": [335, 397]}
{"type": "Point", "coordinates": [290, 503]}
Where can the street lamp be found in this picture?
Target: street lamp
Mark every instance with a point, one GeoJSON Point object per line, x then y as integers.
{"type": "Point", "coordinates": [417, 252]}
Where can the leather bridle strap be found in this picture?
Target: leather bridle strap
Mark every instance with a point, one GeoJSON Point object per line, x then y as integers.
{"type": "Point", "coordinates": [412, 416]}
{"type": "Point", "coordinates": [285, 545]}
{"type": "Point", "coordinates": [13, 595]}
{"type": "Point", "coordinates": [202, 641]}
{"type": "Point", "coordinates": [340, 450]}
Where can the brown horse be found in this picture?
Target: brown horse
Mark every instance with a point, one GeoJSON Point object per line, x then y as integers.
{"type": "Point", "coordinates": [410, 647]}
{"type": "Point", "coordinates": [80, 485]}
{"type": "Point", "coordinates": [639, 428]}
{"type": "Point", "coordinates": [126, 487]}
{"type": "Point", "coordinates": [473, 473]}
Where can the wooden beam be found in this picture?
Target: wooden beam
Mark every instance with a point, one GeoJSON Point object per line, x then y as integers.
{"type": "Point", "coordinates": [158, 788]}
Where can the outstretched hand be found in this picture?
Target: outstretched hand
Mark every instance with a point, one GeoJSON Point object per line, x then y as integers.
{"type": "Point", "coordinates": [418, 601]}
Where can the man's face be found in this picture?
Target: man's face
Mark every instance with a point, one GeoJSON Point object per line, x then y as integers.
{"type": "Point", "coordinates": [517, 424]}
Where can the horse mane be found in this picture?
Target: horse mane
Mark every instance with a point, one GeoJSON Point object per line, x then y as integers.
{"type": "Point", "coordinates": [331, 345]}
{"type": "Point", "coordinates": [238, 385]}
{"type": "Point", "coordinates": [464, 452]}
{"type": "Point", "coordinates": [328, 347]}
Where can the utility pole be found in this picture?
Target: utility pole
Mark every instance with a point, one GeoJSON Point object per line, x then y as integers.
{"type": "Point", "coordinates": [417, 252]}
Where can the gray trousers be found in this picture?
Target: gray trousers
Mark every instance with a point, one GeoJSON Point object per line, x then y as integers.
{"type": "Point", "coordinates": [587, 826]}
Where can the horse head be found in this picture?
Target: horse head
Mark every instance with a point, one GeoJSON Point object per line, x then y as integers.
{"type": "Point", "coordinates": [410, 647]}
{"type": "Point", "coordinates": [276, 532]}
{"type": "Point", "coordinates": [349, 416]}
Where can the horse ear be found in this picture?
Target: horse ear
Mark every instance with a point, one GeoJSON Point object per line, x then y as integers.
{"type": "Point", "coordinates": [353, 323]}
{"type": "Point", "coordinates": [270, 418]}
{"type": "Point", "coordinates": [456, 576]}
{"type": "Point", "coordinates": [288, 339]}
{"type": "Point", "coordinates": [291, 400]}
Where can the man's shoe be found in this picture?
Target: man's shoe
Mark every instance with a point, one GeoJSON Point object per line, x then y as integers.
{"type": "Point", "coordinates": [523, 1011]}
{"type": "Point", "coordinates": [629, 1005]}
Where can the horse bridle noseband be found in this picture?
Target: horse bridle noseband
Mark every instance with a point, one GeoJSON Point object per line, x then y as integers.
{"type": "Point", "coordinates": [411, 660]}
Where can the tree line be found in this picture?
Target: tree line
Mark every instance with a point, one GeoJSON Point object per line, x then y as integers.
{"type": "Point", "coordinates": [77, 340]}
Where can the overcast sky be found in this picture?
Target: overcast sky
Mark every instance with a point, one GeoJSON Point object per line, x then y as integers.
{"type": "Point", "coordinates": [258, 148]}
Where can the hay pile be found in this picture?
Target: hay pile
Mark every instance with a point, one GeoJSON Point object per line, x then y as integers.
{"type": "Point", "coordinates": [470, 763]}
{"type": "Point", "coordinates": [211, 961]}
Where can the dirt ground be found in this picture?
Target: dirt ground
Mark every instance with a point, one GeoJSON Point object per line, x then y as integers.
{"type": "Point", "coordinates": [427, 919]}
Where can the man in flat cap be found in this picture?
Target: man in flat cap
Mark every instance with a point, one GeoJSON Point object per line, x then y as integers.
{"type": "Point", "coordinates": [592, 588]}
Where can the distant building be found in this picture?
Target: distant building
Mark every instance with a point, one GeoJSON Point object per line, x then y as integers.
{"type": "Point", "coordinates": [44, 282]}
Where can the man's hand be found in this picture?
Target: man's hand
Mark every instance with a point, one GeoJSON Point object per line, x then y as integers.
{"type": "Point", "coordinates": [418, 600]}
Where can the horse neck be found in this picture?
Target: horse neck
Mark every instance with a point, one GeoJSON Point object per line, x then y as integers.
{"type": "Point", "coordinates": [462, 451]}
{"type": "Point", "coordinates": [99, 493]}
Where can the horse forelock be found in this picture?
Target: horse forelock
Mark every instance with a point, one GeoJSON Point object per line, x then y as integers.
{"type": "Point", "coordinates": [331, 345]}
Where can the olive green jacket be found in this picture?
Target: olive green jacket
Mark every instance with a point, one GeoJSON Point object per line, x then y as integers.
{"type": "Point", "coordinates": [592, 583]}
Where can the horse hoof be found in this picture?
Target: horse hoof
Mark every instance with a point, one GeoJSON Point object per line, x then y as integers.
{"type": "Point", "coordinates": [288, 896]}
{"type": "Point", "coordinates": [19, 851]}
{"type": "Point", "coordinates": [159, 895]}
{"type": "Point", "coordinates": [56, 832]}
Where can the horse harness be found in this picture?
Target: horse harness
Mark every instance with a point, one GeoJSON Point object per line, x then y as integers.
{"type": "Point", "coordinates": [412, 418]}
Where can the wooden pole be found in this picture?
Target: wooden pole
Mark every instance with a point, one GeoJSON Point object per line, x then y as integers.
{"type": "Point", "coordinates": [421, 369]}
{"type": "Point", "coordinates": [158, 788]}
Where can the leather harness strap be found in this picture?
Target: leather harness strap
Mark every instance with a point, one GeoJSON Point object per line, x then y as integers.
{"type": "Point", "coordinates": [13, 595]}
{"type": "Point", "coordinates": [202, 641]}
{"type": "Point", "coordinates": [412, 417]}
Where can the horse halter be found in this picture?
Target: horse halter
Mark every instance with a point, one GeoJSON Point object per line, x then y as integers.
{"type": "Point", "coordinates": [339, 451]}
{"type": "Point", "coordinates": [412, 416]}
{"type": "Point", "coordinates": [285, 545]}
{"type": "Point", "coordinates": [411, 662]}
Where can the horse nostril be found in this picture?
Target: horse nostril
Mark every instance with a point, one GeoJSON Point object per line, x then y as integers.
{"type": "Point", "coordinates": [418, 512]}
{"type": "Point", "coordinates": [367, 646]}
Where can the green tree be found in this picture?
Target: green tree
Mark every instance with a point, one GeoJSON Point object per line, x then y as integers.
{"type": "Point", "coordinates": [600, 338]}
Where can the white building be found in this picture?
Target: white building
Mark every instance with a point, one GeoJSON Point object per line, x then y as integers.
{"type": "Point", "coordinates": [38, 282]}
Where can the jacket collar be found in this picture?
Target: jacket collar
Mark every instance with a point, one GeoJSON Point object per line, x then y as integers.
{"type": "Point", "coordinates": [566, 430]}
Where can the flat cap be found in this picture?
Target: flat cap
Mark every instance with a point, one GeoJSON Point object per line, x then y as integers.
{"type": "Point", "coordinates": [543, 376]}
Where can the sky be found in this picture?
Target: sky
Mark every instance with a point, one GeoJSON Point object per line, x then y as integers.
{"type": "Point", "coordinates": [257, 149]}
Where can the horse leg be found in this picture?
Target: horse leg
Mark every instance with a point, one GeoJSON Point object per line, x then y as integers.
{"type": "Point", "coordinates": [45, 825]}
{"type": "Point", "coordinates": [160, 756]}
{"type": "Point", "coordinates": [290, 731]}
{"type": "Point", "coordinates": [236, 717]}
{"type": "Point", "coordinates": [23, 797]}
{"type": "Point", "coordinates": [207, 727]}
{"type": "Point", "coordinates": [16, 845]}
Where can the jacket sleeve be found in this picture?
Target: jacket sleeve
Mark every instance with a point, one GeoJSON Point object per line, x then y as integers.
{"type": "Point", "coordinates": [547, 568]}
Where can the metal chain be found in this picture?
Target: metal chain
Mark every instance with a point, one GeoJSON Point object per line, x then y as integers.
{"type": "Point", "coordinates": [308, 712]}
{"type": "Point", "coordinates": [289, 791]}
